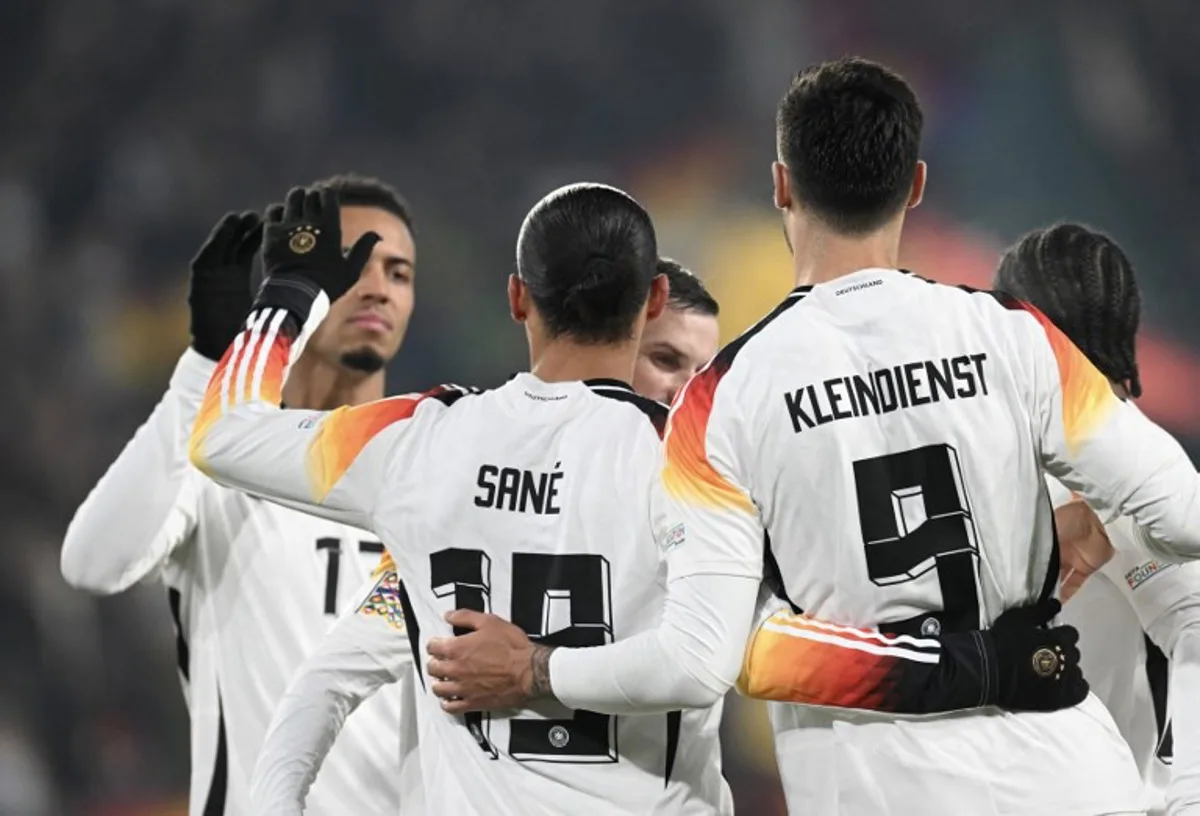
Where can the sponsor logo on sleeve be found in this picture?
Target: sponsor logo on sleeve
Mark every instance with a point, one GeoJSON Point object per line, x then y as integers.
{"type": "Point", "coordinates": [1143, 573]}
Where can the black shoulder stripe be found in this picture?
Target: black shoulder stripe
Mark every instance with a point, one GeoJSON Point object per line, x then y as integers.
{"type": "Point", "coordinates": [1003, 298]}
{"type": "Point", "coordinates": [449, 394]}
{"type": "Point", "coordinates": [654, 410]}
{"type": "Point", "coordinates": [725, 356]}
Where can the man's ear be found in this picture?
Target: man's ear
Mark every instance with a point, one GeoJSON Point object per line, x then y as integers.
{"type": "Point", "coordinates": [918, 185]}
{"type": "Point", "coordinates": [518, 303]}
{"type": "Point", "coordinates": [660, 293]}
{"type": "Point", "coordinates": [783, 185]}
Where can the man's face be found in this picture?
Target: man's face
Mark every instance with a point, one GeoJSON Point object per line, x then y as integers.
{"type": "Point", "coordinates": [365, 326]}
{"type": "Point", "coordinates": [675, 345]}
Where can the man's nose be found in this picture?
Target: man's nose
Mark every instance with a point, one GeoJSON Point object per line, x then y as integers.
{"type": "Point", "coordinates": [372, 283]}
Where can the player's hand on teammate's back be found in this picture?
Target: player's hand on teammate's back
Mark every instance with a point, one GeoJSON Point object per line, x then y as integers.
{"type": "Point", "coordinates": [219, 295]}
{"type": "Point", "coordinates": [1037, 664]}
{"type": "Point", "coordinates": [495, 666]}
{"type": "Point", "coordinates": [302, 246]}
{"type": "Point", "coordinates": [1083, 545]}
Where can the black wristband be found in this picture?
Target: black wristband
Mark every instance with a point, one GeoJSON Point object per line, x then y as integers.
{"type": "Point", "coordinates": [294, 293]}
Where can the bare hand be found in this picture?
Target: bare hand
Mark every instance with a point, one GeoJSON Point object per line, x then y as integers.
{"type": "Point", "coordinates": [1083, 546]}
{"type": "Point", "coordinates": [492, 667]}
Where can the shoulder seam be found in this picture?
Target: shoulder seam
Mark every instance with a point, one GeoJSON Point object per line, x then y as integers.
{"type": "Point", "coordinates": [654, 410]}
{"type": "Point", "coordinates": [725, 356]}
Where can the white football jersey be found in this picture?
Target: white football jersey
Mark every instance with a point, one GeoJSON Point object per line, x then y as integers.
{"type": "Point", "coordinates": [253, 588]}
{"type": "Point", "coordinates": [530, 501]}
{"type": "Point", "coordinates": [886, 437]}
{"type": "Point", "coordinates": [366, 650]}
{"type": "Point", "coordinates": [1130, 616]}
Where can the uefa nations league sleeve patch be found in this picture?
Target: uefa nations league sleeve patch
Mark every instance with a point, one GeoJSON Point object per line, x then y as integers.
{"type": "Point", "coordinates": [384, 600]}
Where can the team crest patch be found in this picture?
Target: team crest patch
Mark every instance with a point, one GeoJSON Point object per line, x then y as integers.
{"type": "Point", "coordinates": [1143, 573]}
{"type": "Point", "coordinates": [384, 600]}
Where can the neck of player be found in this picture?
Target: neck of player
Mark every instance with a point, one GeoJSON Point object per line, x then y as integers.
{"type": "Point", "coordinates": [822, 255]}
{"type": "Point", "coordinates": [566, 361]}
{"type": "Point", "coordinates": [315, 384]}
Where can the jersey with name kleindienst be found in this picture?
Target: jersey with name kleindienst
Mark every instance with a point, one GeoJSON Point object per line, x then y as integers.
{"type": "Point", "coordinates": [887, 437]}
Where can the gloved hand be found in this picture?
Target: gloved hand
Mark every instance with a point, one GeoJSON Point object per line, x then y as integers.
{"type": "Point", "coordinates": [302, 253]}
{"type": "Point", "coordinates": [219, 297]}
{"type": "Point", "coordinates": [1037, 665]}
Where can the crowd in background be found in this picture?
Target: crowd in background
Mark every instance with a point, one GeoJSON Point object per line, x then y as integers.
{"type": "Point", "coordinates": [129, 127]}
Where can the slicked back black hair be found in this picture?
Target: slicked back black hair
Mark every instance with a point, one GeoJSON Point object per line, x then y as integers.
{"type": "Point", "coordinates": [849, 132]}
{"type": "Point", "coordinates": [587, 252]}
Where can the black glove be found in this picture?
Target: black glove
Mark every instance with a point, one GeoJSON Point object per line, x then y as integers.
{"type": "Point", "coordinates": [1037, 668]}
{"type": "Point", "coordinates": [302, 253]}
{"type": "Point", "coordinates": [219, 297]}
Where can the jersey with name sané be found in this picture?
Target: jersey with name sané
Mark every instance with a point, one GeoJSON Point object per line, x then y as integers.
{"type": "Point", "coordinates": [253, 588]}
{"type": "Point", "coordinates": [530, 501]}
{"type": "Point", "coordinates": [887, 436]}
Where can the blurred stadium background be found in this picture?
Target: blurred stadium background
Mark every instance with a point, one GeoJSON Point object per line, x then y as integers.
{"type": "Point", "coordinates": [127, 127]}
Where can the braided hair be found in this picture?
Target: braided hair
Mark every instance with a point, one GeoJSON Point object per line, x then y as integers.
{"type": "Point", "coordinates": [1082, 281]}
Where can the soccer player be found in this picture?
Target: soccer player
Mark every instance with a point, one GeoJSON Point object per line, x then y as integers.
{"type": "Point", "coordinates": [679, 342]}
{"type": "Point", "coordinates": [252, 586]}
{"type": "Point", "coordinates": [908, 419]}
{"type": "Point", "coordinates": [369, 648]}
{"type": "Point", "coordinates": [1135, 612]}
{"type": "Point", "coordinates": [531, 498]}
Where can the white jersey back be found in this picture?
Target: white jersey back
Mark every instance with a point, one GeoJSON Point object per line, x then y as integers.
{"type": "Point", "coordinates": [254, 588]}
{"type": "Point", "coordinates": [532, 502]}
{"type": "Point", "coordinates": [932, 515]}
{"type": "Point", "coordinates": [879, 428]}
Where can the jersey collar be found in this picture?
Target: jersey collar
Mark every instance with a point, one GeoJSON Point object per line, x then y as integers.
{"type": "Point", "coordinates": [608, 384]}
{"type": "Point", "coordinates": [801, 291]}
{"type": "Point", "coordinates": [596, 383]}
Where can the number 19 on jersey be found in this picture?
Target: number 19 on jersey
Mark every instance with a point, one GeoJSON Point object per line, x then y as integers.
{"type": "Point", "coordinates": [559, 600]}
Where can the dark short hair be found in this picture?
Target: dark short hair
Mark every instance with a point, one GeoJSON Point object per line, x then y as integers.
{"type": "Point", "coordinates": [688, 293]}
{"type": "Point", "coordinates": [354, 190]}
{"type": "Point", "coordinates": [849, 132]}
{"type": "Point", "coordinates": [587, 253]}
{"type": "Point", "coordinates": [1084, 284]}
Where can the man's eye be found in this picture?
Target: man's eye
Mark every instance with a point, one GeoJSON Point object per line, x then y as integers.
{"type": "Point", "coordinates": [666, 361]}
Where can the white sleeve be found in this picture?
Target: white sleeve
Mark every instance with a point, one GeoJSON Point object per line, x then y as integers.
{"type": "Point", "coordinates": [689, 661]}
{"type": "Point", "coordinates": [366, 649]}
{"type": "Point", "coordinates": [145, 504]}
{"type": "Point", "coordinates": [1106, 450]}
{"type": "Point", "coordinates": [712, 535]}
{"type": "Point", "coordinates": [334, 464]}
{"type": "Point", "coordinates": [1167, 601]}
{"type": "Point", "coordinates": [1183, 793]}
